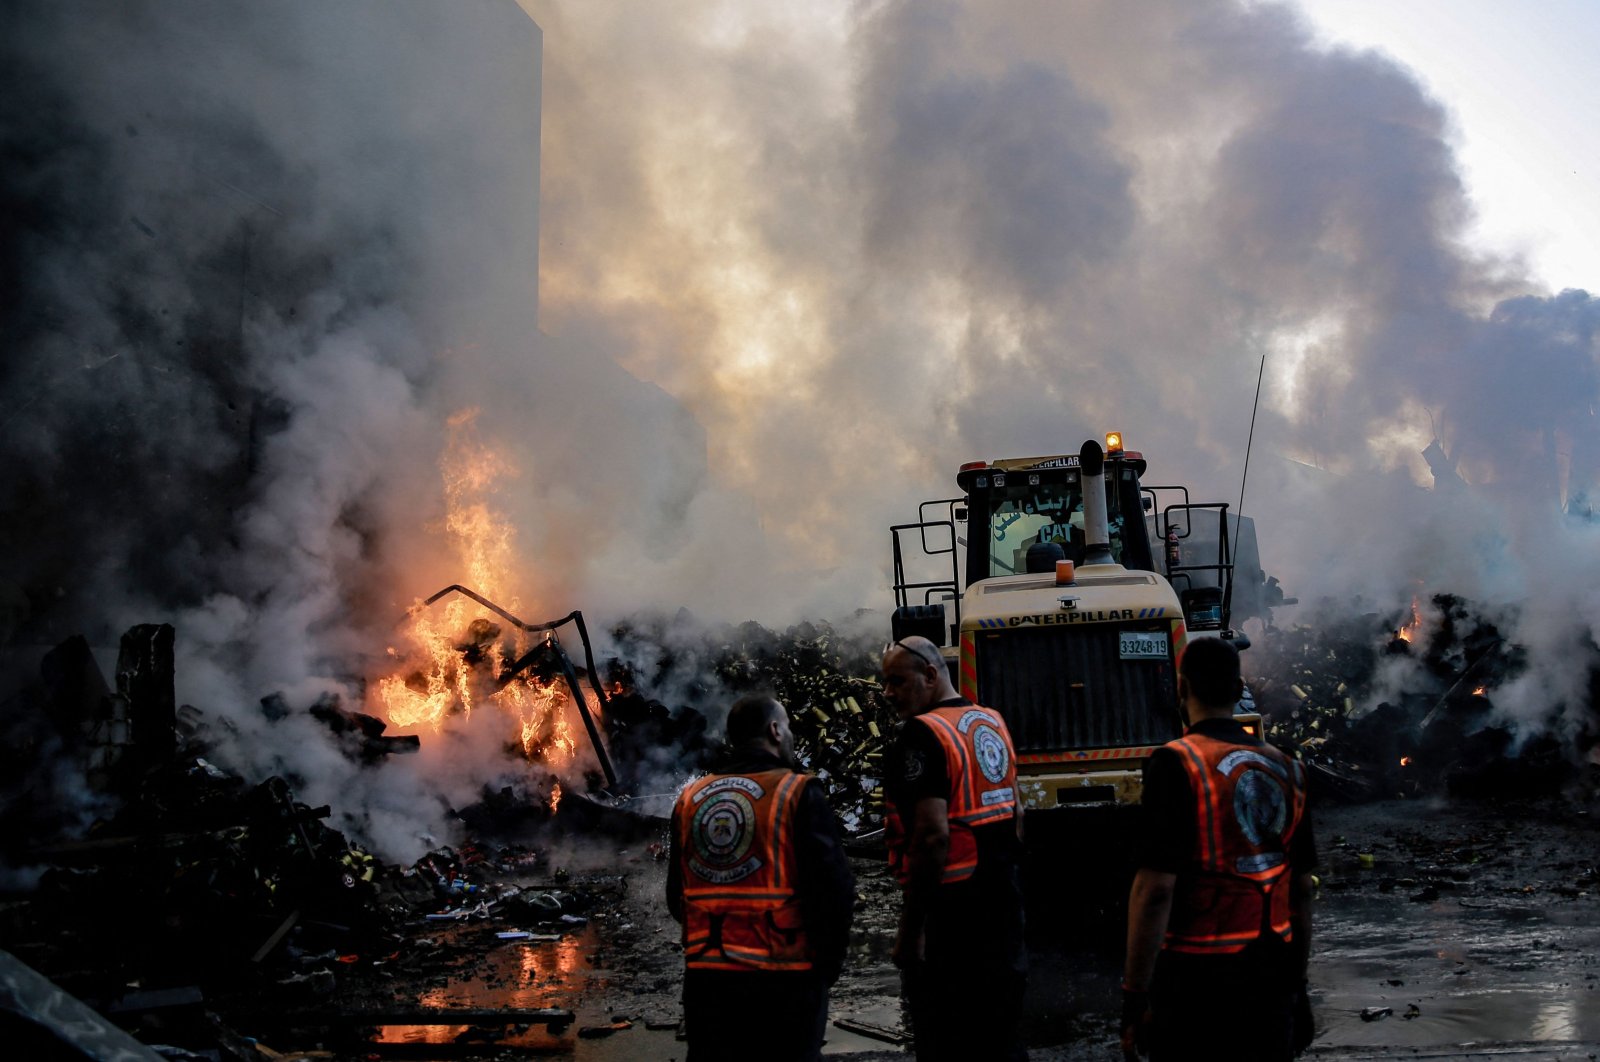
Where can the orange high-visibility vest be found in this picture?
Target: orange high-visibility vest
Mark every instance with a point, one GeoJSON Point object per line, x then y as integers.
{"type": "Point", "coordinates": [736, 855]}
{"type": "Point", "coordinates": [1249, 800]}
{"type": "Point", "coordinates": [982, 767]}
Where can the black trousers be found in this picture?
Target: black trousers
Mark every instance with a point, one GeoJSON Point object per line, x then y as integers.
{"type": "Point", "coordinates": [965, 998]}
{"type": "Point", "coordinates": [737, 1016]}
{"type": "Point", "coordinates": [962, 1014]}
{"type": "Point", "coordinates": [1239, 1007]}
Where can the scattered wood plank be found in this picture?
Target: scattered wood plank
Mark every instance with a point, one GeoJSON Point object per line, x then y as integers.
{"type": "Point", "coordinates": [881, 1033]}
{"type": "Point", "coordinates": [277, 936]}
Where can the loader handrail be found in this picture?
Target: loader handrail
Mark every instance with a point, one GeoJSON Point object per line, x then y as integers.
{"type": "Point", "coordinates": [934, 587]}
{"type": "Point", "coordinates": [1224, 566]}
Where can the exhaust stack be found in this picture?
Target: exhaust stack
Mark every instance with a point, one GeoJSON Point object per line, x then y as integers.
{"type": "Point", "coordinates": [1096, 529]}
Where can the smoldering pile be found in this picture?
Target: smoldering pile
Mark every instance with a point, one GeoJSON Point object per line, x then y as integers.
{"type": "Point", "coordinates": [1382, 704]}
{"type": "Point", "coordinates": [1375, 704]}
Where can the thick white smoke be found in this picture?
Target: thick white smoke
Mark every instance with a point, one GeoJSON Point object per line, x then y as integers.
{"type": "Point", "coordinates": [792, 266]}
{"type": "Point", "coordinates": [975, 230]}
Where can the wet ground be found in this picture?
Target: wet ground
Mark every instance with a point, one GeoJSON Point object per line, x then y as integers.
{"type": "Point", "coordinates": [1467, 924]}
{"type": "Point", "coordinates": [1442, 931]}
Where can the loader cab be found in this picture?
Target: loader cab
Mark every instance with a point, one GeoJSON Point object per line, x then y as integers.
{"type": "Point", "coordinates": [1006, 507]}
{"type": "Point", "coordinates": [1012, 505]}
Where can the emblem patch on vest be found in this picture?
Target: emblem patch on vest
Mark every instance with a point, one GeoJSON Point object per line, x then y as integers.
{"type": "Point", "coordinates": [1260, 806]}
{"type": "Point", "coordinates": [969, 717]}
{"type": "Point", "coordinates": [994, 760]}
{"type": "Point", "coordinates": [722, 831]}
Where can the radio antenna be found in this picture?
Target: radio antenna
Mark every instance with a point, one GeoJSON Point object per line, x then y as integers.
{"type": "Point", "coordinates": [1251, 441]}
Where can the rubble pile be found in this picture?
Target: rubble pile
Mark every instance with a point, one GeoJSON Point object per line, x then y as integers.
{"type": "Point", "coordinates": [1379, 705]}
{"type": "Point", "coordinates": [1306, 683]}
{"type": "Point", "coordinates": [840, 722]}
{"type": "Point", "coordinates": [199, 873]}
{"type": "Point", "coordinates": [188, 875]}
{"type": "Point", "coordinates": [1375, 704]}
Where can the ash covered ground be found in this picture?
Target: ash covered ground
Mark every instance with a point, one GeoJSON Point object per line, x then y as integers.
{"type": "Point", "coordinates": [1454, 926]}
{"type": "Point", "coordinates": [1444, 927]}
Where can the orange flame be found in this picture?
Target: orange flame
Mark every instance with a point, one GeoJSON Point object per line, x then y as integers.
{"type": "Point", "coordinates": [457, 649]}
{"type": "Point", "coordinates": [1407, 632]}
{"type": "Point", "coordinates": [1405, 761]}
{"type": "Point", "coordinates": [1480, 691]}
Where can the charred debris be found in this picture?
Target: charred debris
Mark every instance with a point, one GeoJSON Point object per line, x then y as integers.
{"type": "Point", "coordinates": [147, 888]}
{"type": "Point", "coordinates": [138, 870]}
{"type": "Point", "coordinates": [1382, 705]}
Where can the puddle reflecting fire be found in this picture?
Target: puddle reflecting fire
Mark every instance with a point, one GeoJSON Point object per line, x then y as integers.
{"type": "Point", "coordinates": [519, 975]}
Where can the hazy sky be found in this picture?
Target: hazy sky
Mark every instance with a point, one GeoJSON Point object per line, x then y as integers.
{"type": "Point", "coordinates": [1519, 82]}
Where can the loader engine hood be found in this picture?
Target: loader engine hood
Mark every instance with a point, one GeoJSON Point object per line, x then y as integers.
{"type": "Point", "coordinates": [1104, 593]}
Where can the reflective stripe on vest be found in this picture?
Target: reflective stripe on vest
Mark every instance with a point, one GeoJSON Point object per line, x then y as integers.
{"type": "Point", "coordinates": [1249, 800]}
{"type": "Point", "coordinates": [981, 765]}
{"type": "Point", "coordinates": [736, 857]}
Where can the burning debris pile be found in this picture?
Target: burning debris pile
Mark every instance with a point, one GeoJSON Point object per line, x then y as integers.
{"type": "Point", "coordinates": [652, 708]}
{"type": "Point", "coordinates": [1380, 705]}
{"type": "Point", "coordinates": [189, 875]}
{"type": "Point", "coordinates": [468, 658]}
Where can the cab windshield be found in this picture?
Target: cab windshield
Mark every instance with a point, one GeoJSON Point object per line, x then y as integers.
{"type": "Point", "coordinates": [1025, 514]}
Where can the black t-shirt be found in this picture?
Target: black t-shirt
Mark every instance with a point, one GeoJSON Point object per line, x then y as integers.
{"type": "Point", "coordinates": [979, 919]}
{"type": "Point", "coordinates": [1166, 838]}
{"type": "Point", "coordinates": [916, 767]}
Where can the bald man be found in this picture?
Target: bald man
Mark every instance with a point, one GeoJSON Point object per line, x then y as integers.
{"type": "Point", "coordinates": [954, 830]}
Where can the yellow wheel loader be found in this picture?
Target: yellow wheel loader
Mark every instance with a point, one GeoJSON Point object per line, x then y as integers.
{"type": "Point", "coordinates": [1062, 590]}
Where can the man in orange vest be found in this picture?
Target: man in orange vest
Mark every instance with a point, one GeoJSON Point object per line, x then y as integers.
{"type": "Point", "coordinates": [759, 880]}
{"type": "Point", "coordinates": [954, 829]}
{"type": "Point", "coordinates": [1219, 924]}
